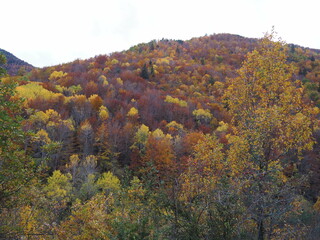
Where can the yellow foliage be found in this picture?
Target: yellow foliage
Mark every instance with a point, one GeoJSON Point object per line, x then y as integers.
{"type": "Point", "coordinates": [109, 182]}
{"type": "Point", "coordinates": [125, 64]}
{"type": "Point", "coordinates": [218, 85]}
{"type": "Point", "coordinates": [86, 126]}
{"type": "Point", "coordinates": [90, 161]}
{"type": "Point", "coordinates": [164, 61]}
{"type": "Point", "coordinates": [39, 117]}
{"type": "Point", "coordinates": [28, 222]}
{"type": "Point", "coordinates": [53, 115]}
{"type": "Point", "coordinates": [174, 125]}
{"type": "Point", "coordinates": [78, 99]}
{"type": "Point", "coordinates": [103, 113]}
{"type": "Point", "coordinates": [41, 136]}
{"type": "Point", "coordinates": [136, 191]}
{"type": "Point", "coordinates": [204, 170]}
{"type": "Point", "coordinates": [34, 90]}
{"type": "Point", "coordinates": [90, 220]}
{"type": "Point", "coordinates": [59, 186]}
{"type": "Point", "coordinates": [267, 106]}
{"type": "Point", "coordinates": [56, 75]}
{"type": "Point", "coordinates": [222, 126]}
{"type": "Point", "coordinates": [158, 134]}
{"type": "Point", "coordinates": [316, 206]}
{"type": "Point", "coordinates": [114, 61]}
{"type": "Point", "coordinates": [60, 88]}
{"type": "Point", "coordinates": [69, 124]}
{"type": "Point", "coordinates": [202, 114]}
{"type": "Point", "coordinates": [132, 112]}
{"type": "Point", "coordinates": [177, 101]}
{"type": "Point", "coordinates": [119, 81]}
{"type": "Point", "coordinates": [102, 78]}
{"type": "Point", "coordinates": [141, 138]}
{"type": "Point", "coordinates": [74, 161]}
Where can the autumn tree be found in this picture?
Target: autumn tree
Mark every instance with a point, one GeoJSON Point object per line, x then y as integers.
{"type": "Point", "coordinates": [272, 124]}
{"type": "Point", "coordinates": [159, 153]}
{"type": "Point", "coordinates": [86, 137]}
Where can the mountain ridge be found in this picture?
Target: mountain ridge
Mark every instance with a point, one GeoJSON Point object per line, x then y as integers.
{"type": "Point", "coordinates": [14, 65]}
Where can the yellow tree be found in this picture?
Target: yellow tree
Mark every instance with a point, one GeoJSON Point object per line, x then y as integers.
{"type": "Point", "coordinates": [272, 122]}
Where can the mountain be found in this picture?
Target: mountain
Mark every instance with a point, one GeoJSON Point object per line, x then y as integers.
{"type": "Point", "coordinates": [143, 143]}
{"type": "Point", "coordinates": [165, 81]}
{"type": "Point", "coordinates": [14, 65]}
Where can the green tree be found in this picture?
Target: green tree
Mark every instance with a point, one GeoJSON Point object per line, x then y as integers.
{"type": "Point", "coordinates": [144, 72]}
{"type": "Point", "coordinates": [3, 60]}
{"type": "Point", "coordinates": [16, 168]}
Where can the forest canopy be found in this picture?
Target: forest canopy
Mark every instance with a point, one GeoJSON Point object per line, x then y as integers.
{"type": "Point", "coordinates": [211, 138]}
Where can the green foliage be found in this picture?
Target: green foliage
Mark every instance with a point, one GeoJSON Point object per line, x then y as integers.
{"type": "Point", "coordinates": [144, 72]}
{"type": "Point", "coordinates": [141, 138]}
{"type": "Point", "coordinates": [59, 186]}
{"type": "Point", "coordinates": [3, 60]}
{"type": "Point", "coordinates": [108, 182]}
{"type": "Point", "coordinates": [16, 168]}
{"type": "Point", "coordinates": [88, 188]}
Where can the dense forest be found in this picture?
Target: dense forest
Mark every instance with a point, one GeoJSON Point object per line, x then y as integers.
{"type": "Point", "coordinates": [216, 137]}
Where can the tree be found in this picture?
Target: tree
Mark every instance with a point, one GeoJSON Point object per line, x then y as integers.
{"type": "Point", "coordinates": [144, 72]}
{"type": "Point", "coordinates": [16, 168]}
{"type": "Point", "coordinates": [86, 137]}
{"type": "Point", "coordinates": [159, 153]}
{"type": "Point", "coordinates": [3, 60]}
{"type": "Point", "coordinates": [272, 124]}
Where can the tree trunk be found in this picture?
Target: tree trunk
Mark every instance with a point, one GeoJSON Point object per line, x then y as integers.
{"type": "Point", "coordinates": [260, 230]}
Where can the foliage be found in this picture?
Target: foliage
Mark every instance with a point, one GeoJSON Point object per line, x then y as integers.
{"type": "Point", "coordinates": [209, 138]}
{"type": "Point", "coordinates": [271, 121]}
{"type": "Point", "coordinates": [177, 101]}
{"type": "Point", "coordinates": [16, 168]}
{"type": "Point", "coordinates": [132, 112]}
{"type": "Point", "coordinates": [32, 91]}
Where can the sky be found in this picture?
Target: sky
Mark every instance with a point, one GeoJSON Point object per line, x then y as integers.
{"type": "Point", "coordinates": [51, 32]}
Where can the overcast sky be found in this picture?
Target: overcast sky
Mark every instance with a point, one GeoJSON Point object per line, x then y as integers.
{"type": "Point", "coordinates": [49, 32]}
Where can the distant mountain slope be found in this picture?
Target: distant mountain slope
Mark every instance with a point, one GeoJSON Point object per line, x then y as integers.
{"type": "Point", "coordinates": [15, 64]}
{"type": "Point", "coordinates": [170, 85]}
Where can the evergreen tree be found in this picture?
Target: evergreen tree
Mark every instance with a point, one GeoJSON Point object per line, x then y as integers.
{"type": "Point", "coordinates": [144, 72]}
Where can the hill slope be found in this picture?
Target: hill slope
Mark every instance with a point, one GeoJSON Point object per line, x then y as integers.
{"type": "Point", "coordinates": [166, 81]}
{"type": "Point", "coordinates": [15, 64]}
{"type": "Point", "coordinates": [141, 142]}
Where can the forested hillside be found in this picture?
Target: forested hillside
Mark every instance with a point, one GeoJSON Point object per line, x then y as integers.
{"type": "Point", "coordinates": [211, 138]}
{"type": "Point", "coordinates": [14, 65]}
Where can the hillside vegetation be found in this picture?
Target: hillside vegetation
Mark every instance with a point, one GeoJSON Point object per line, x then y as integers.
{"type": "Point", "coordinates": [211, 138]}
{"type": "Point", "coordinates": [14, 65]}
